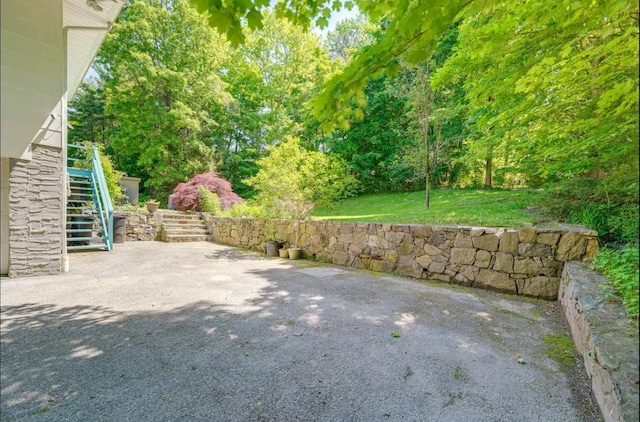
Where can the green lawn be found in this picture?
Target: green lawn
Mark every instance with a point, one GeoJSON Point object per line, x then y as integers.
{"type": "Point", "coordinates": [470, 207]}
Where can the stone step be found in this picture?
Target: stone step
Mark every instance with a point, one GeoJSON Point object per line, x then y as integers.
{"type": "Point", "coordinates": [182, 222]}
{"type": "Point", "coordinates": [185, 230]}
{"type": "Point", "coordinates": [180, 216]}
{"type": "Point", "coordinates": [188, 238]}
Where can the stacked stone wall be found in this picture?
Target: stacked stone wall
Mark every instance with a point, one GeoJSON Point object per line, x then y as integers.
{"type": "Point", "coordinates": [606, 339]}
{"type": "Point", "coordinates": [526, 261]}
{"type": "Point", "coordinates": [35, 213]}
{"type": "Point", "coordinates": [141, 226]}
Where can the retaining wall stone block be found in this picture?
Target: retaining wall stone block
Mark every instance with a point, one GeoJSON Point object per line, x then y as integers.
{"type": "Point", "coordinates": [495, 280]}
{"type": "Point", "coordinates": [483, 258]}
{"type": "Point", "coordinates": [464, 256]}
{"type": "Point", "coordinates": [487, 242]}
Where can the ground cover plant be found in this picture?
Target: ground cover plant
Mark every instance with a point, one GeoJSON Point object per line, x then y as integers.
{"type": "Point", "coordinates": [486, 207]}
{"type": "Point", "coordinates": [620, 266]}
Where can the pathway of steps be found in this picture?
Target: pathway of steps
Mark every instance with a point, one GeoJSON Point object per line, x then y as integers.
{"type": "Point", "coordinates": [184, 227]}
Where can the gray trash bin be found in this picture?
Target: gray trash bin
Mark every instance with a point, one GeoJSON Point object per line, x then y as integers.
{"type": "Point", "coordinates": [119, 229]}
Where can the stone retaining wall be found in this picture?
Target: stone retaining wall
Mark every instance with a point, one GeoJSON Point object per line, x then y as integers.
{"type": "Point", "coordinates": [141, 226]}
{"type": "Point", "coordinates": [606, 339]}
{"type": "Point", "coordinates": [526, 261]}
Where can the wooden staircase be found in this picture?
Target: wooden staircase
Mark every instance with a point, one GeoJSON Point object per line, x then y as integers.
{"type": "Point", "coordinates": [184, 227]}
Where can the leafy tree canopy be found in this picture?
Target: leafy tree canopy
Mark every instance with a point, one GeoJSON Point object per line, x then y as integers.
{"type": "Point", "coordinates": [291, 180]}
{"type": "Point", "coordinates": [410, 29]}
{"type": "Point", "coordinates": [160, 66]}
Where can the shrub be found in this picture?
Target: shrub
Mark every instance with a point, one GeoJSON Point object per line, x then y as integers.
{"type": "Point", "coordinates": [187, 198]}
{"type": "Point", "coordinates": [620, 266]}
{"type": "Point", "coordinates": [246, 209]}
{"type": "Point", "coordinates": [209, 201]}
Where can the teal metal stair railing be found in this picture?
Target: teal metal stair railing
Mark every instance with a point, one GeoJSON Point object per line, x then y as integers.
{"type": "Point", "coordinates": [89, 207]}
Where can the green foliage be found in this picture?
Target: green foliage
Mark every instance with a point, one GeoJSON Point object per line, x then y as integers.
{"type": "Point", "coordinates": [209, 201]}
{"type": "Point", "coordinates": [293, 180]}
{"type": "Point", "coordinates": [112, 176]}
{"type": "Point", "coordinates": [271, 77]}
{"type": "Point", "coordinates": [248, 208]}
{"type": "Point", "coordinates": [349, 36]}
{"type": "Point", "coordinates": [160, 66]}
{"type": "Point", "coordinates": [560, 349]}
{"type": "Point", "coordinates": [561, 101]}
{"type": "Point", "coordinates": [372, 145]}
{"type": "Point", "coordinates": [614, 214]}
{"type": "Point", "coordinates": [480, 207]}
{"type": "Point", "coordinates": [620, 266]}
{"type": "Point", "coordinates": [87, 115]}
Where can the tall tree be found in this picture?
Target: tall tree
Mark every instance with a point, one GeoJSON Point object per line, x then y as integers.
{"type": "Point", "coordinates": [411, 28]}
{"type": "Point", "coordinates": [87, 115]}
{"type": "Point", "coordinates": [552, 90]}
{"type": "Point", "coordinates": [272, 76]}
{"type": "Point", "coordinates": [161, 66]}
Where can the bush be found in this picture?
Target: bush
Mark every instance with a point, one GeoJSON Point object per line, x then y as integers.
{"type": "Point", "coordinates": [209, 201]}
{"type": "Point", "coordinates": [187, 197]}
{"type": "Point", "coordinates": [623, 223]}
{"type": "Point", "coordinates": [246, 209]}
{"type": "Point", "coordinates": [592, 203]}
{"type": "Point", "coordinates": [620, 266]}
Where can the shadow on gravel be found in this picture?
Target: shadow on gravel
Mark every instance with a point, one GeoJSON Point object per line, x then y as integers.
{"type": "Point", "coordinates": [203, 361]}
{"type": "Point", "coordinates": [294, 349]}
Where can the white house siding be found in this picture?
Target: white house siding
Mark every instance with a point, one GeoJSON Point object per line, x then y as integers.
{"type": "Point", "coordinates": [35, 211]}
{"type": "Point", "coordinates": [33, 72]}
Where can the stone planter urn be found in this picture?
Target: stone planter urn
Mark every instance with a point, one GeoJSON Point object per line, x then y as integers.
{"type": "Point", "coordinates": [284, 253]}
{"type": "Point", "coordinates": [152, 207]}
{"type": "Point", "coordinates": [294, 253]}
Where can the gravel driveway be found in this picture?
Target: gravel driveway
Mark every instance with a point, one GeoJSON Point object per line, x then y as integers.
{"type": "Point", "coordinates": [201, 332]}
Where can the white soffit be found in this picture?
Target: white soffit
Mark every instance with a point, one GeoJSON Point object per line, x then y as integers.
{"type": "Point", "coordinates": [86, 29]}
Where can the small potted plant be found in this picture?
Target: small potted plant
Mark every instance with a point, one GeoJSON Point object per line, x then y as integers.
{"type": "Point", "coordinates": [284, 252]}
{"type": "Point", "coordinates": [152, 205]}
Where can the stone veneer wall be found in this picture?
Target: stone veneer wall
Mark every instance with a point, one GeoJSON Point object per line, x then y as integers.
{"type": "Point", "coordinates": [527, 261]}
{"type": "Point", "coordinates": [605, 338]}
{"type": "Point", "coordinates": [35, 213]}
{"type": "Point", "coordinates": [141, 226]}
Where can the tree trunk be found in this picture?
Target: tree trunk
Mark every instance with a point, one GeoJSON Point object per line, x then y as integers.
{"type": "Point", "coordinates": [487, 173]}
{"type": "Point", "coordinates": [425, 132]}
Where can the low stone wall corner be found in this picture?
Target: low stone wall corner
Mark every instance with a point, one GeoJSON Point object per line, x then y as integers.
{"type": "Point", "coordinates": [606, 339]}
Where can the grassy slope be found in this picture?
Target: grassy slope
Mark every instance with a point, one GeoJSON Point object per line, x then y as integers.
{"type": "Point", "coordinates": [470, 207]}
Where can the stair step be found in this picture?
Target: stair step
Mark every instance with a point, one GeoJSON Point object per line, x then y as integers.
{"type": "Point", "coordinates": [186, 231]}
{"type": "Point", "coordinates": [188, 238]}
{"type": "Point", "coordinates": [183, 223]}
{"type": "Point", "coordinates": [180, 218]}
{"type": "Point", "coordinates": [85, 239]}
{"type": "Point", "coordinates": [81, 222]}
{"type": "Point", "coordinates": [80, 231]}
{"type": "Point", "coordinates": [187, 226]}
{"type": "Point", "coordinates": [84, 247]}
